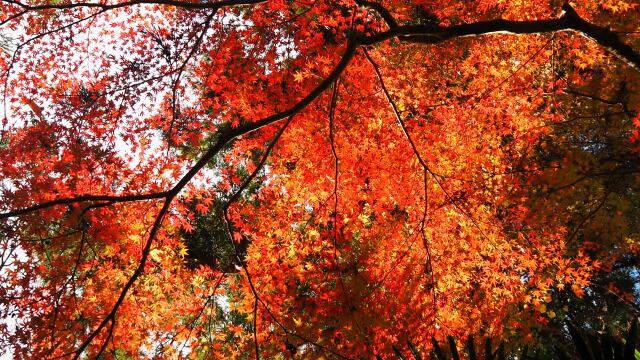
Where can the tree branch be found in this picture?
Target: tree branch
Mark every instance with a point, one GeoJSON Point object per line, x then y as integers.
{"type": "Point", "coordinates": [181, 4]}
{"type": "Point", "coordinates": [223, 139]}
{"type": "Point", "coordinates": [82, 198]}
{"type": "Point", "coordinates": [570, 20]}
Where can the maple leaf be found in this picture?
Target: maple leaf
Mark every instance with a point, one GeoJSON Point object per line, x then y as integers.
{"type": "Point", "coordinates": [182, 251]}
{"type": "Point", "coordinates": [299, 76]}
{"type": "Point", "coordinates": [577, 290]}
{"type": "Point", "coordinates": [437, 175]}
{"type": "Point", "coordinates": [202, 208]}
{"type": "Point", "coordinates": [156, 255]}
{"type": "Point", "coordinates": [37, 109]}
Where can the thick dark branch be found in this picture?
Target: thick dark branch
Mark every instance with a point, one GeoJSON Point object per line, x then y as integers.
{"type": "Point", "coordinates": [224, 138]}
{"type": "Point", "coordinates": [410, 33]}
{"type": "Point", "coordinates": [381, 10]}
{"type": "Point", "coordinates": [215, 5]}
{"type": "Point", "coordinates": [603, 36]}
{"type": "Point", "coordinates": [82, 198]}
{"type": "Point", "coordinates": [433, 34]}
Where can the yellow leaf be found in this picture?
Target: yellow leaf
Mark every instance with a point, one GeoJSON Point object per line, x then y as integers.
{"type": "Point", "coordinates": [182, 251]}
{"type": "Point", "coordinates": [155, 255]}
{"type": "Point", "coordinates": [291, 253]}
{"type": "Point", "coordinates": [197, 280]}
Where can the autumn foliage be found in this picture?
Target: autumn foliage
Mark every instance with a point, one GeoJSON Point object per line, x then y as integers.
{"type": "Point", "coordinates": [308, 179]}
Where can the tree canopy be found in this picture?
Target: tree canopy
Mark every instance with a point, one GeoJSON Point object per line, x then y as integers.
{"type": "Point", "coordinates": [314, 178]}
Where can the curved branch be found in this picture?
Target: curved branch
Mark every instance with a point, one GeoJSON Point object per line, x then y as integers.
{"type": "Point", "coordinates": [570, 20]}
{"type": "Point", "coordinates": [176, 3]}
{"type": "Point", "coordinates": [410, 33]}
{"type": "Point", "coordinates": [228, 135]}
{"type": "Point", "coordinates": [223, 139]}
{"type": "Point", "coordinates": [381, 10]}
{"type": "Point", "coordinates": [82, 198]}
